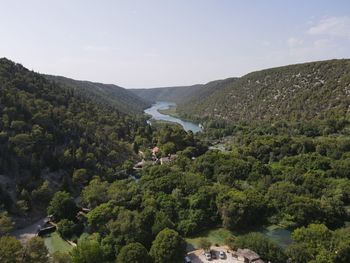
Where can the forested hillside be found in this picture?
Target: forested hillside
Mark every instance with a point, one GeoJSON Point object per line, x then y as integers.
{"type": "Point", "coordinates": [54, 136]}
{"type": "Point", "coordinates": [295, 92]}
{"type": "Point", "coordinates": [182, 94]}
{"type": "Point", "coordinates": [124, 100]}
{"type": "Point", "coordinates": [58, 144]}
{"type": "Point", "coordinates": [173, 94]}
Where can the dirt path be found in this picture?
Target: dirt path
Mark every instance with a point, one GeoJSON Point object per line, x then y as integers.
{"type": "Point", "coordinates": [24, 234]}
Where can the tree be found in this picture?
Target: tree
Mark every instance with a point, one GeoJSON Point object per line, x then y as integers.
{"type": "Point", "coordinates": [242, 210]}
{"type": "Point", "coordinates": [94, 193]}
{"type": "Point", "coordinates": [133, 253]}
{"type": "Point", "coordinates": [135, 147]}
{"type": "Point", "coordinates": [67, 228]}
{"type": "Point", "coordinates": [109, 247]}
{"type": "Point", "coordinates": [168, 247]}
{"type": "Point", "coordinates": [281, 194]}
{"type": "Point", "coordinates": [161, 221]}
{"type": "Point", "coordinates": [100, 215]}
{"type": "Point", "coordinates": [204, 243]}
{"type": "Point", "coordinates": [125, 193]}
{"type": "Point", "coordinates": [312, 244]}
{"type": "Point", "coordinates": [188, 226]}
{"type": "Point", "coordinates": [314, 234]}
{"type": "Point", "coordinates": [87, 251]}
{"type": "Point", "coordinates": [43, 193]}
{"type": "Point", "coordinates": [6, 224]}
{"type": "Point", "coordinates": [128, 166]}
{"type": "Point", "coordinates": [36, 251]}
{"type": "Point", "coordinates": [168, 148]}
{"type": "Point", "coordinates": [343, 252]}
{"type": "Point", "coordinates": [231, 170]}
{"type": "Point", "coordinates": [80, 176]}
{"type": "Point", "coordinates": [60, 257]}
{"type": "Point", "coordinates": [262, 245]}
{"type": "Point", "coordinates": [127, 225]}
{"type": "Point", "coordinates": [10, 250]}
{"type": "Point", "coordinates": [299, 253]}
{"type": "Point", "coordinates": [62, 206]}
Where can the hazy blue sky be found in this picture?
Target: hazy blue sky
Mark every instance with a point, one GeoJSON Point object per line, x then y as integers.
{"type": "Point", "coordinates": [153, 43]}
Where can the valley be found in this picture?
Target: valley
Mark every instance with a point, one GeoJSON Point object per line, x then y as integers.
{"type": "Point", "coordinates": [70, 150]}
{"type": "Point", "coordinates": [301, 92]}
{"type": "Point", "coordinates": [175, 131]}
{"type": "Point", "coordinates": [157, 111]}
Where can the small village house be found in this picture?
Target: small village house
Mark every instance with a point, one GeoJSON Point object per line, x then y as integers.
{"type": "Point", "coordinates": [247, 256]}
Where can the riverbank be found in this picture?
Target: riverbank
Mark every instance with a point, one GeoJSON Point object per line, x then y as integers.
{"type": "Point", "coordinates": [161, 123]}
{"type": "Point", "coordinates": [171, 111]}
{"type": "Point", "coordinates": [154, 111]}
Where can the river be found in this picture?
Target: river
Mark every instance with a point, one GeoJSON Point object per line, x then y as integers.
{"type": "Point", "coordinates": [162, 105]}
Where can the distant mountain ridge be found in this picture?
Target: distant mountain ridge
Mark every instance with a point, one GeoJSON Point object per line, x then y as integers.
{"type": "Point", "coordinates": [48, 130]}
{"type": "Point", "coordinates": [124, 100]}
{"type": "Point", "coordinates": [174, 94]}
{"type": "Point", "coordinates": [180, 94]}
{"type": "Point", "coordinates": [295, 92]}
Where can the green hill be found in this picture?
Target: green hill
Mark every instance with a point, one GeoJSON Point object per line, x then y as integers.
{"type": "Point", "coordinates": [173, 94]}
{"type": "Point", "coordinates": [181, 94]}
{"type": "Point", "coordinates": [124, 100]}
{"type": "Point", "coordinates": [53, 135]}
{"type": "Point", "coordinates": [295, 92]}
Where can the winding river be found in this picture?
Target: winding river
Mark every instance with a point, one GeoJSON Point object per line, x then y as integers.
{"type": "Point", "coordinates": [163, 105]}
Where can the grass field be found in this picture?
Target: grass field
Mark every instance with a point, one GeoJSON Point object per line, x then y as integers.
{"type": "Point", "coordinates": [215, 236]}
{"type": "Point", "coordinates": [218, 235]}
{"type": "Point", "coordinates": [55, 243]}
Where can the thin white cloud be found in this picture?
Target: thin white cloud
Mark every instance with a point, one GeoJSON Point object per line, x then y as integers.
{"type": "Point", "coordinates": [332, 26]}
{"type": "Point", "coordinates": [151, 55]}
{"type": "Point", "coordinates": [266, 43]}
{"type": "Point", "coordinates": [294, 42]}
{"type": "Point", "coordinates": [92, 48]}
{"type": "Point", "coordinates": [323, 40]}
{"type": "Point", "coordinates": [313, 50]}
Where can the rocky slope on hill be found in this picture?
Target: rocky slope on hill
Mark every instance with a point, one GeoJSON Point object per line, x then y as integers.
{"type": "Point", "coordinates": [294, 92]}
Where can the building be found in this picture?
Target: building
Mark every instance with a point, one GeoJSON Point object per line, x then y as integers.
{"type": "Point", "coordinates": [142, 164]}
{"type": "Point", "coordinates": [247, 256]}
{"type": "Point", "coordinates": [167, 159]}
{"type": "Point", "coordinates": [155, 150]}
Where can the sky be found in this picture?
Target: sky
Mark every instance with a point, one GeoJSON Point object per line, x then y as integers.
{"type": "Point", "coordinates": [157, 43]}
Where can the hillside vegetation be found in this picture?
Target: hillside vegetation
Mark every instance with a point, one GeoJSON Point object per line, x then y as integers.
{"type": "Point", "coordinates": [182, 94]}
{"type": "Point", "coordinates": [295, 92]}
{"type": "Point", "coordinates": [54, 136]}
{"type": "Point", "coordinates": [124, 100]}
{"type": "Point", "coordinates": [173, 94]}
{"type": "Point", "coordinates": [58, 143]}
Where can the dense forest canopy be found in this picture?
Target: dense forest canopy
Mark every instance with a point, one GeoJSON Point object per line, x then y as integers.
{"type": "Point", "coordinates": [52, 134]}
{"type": "Point", "coordinates": [124, 100]}
{"type": "Point", "coordinates": [60, 145]}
